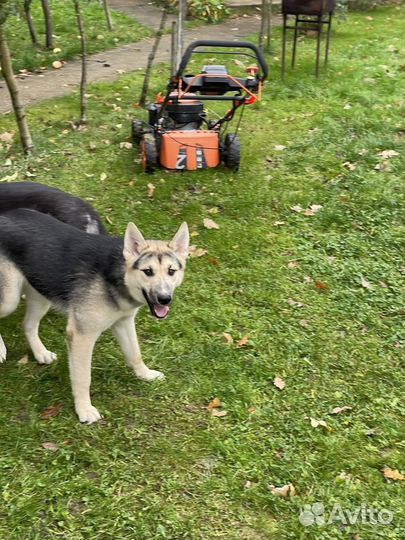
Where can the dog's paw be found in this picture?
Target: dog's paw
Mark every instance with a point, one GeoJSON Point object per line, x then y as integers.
{"type": "Point", "coordinates": [45, 357]}
{"type": "Point", "coordinates": [151, 375]}
{"type": "Point", "coordinates": [3, 351]}
{"type": "Point", "coordinates": [88, 415]}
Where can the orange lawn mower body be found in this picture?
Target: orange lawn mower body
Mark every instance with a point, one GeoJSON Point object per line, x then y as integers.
{"type": "Point", "coordinates": [178, 135]}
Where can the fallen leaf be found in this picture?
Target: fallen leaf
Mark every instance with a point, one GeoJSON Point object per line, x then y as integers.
{"type": "Point", "coordinates": [9, 178]}
{"type": "Point", "coordinates": [213, 261]}
{"type": "Point", "coordinates": [218, 414]}
{"type": "Point", "coordinates": [252, 410]}
{"type": "Point", "coordinates": [126, 145]}
{"type": "Point", "coordinates": [279, 147]}
{"type": "Point", "coordinates": [23, 360]}
{"type": "Point", "coordinates": [365, 283]}
{"type": "Point", "coordinates": [278, 223]}
{"type": "Point", "coordinates": [338, 410]}
{"type": "Point", "coordinates": [51, 411]}
{"type": "Point", "coordinates": [196, 252]}
{"type": "Point", "coordinates": [313, 209]}
{"type": "Point", "coordinates": [279, 383]}
{"type": "Point", "coordinates": [316, 423]}
{"type": "Point", "coordinates": [227, 337]}
{"type": "Point", "coordinates": [296, 208]}
{"type": "Point", "coordinates": [392, 474]}
{"type": "Point", "coordinates": [57, 64]}
{"type": "Point", "coordinates": [386, 154]}
{"type": "Point", "coordinates": [50, 446]}
{"type": "Point", "coordinates": [151, 190]}
{"type": "Point", "coordinates": [347, 106]}
{"type": "Point", "coordinates": [248, 484]}
{"type": "Point", "coordinates": [320, 285]}
{"type": "Point", "coordinates": [293, 264]}
{"type": "Point", "coordinates": [294, 303]}
{"type": "Point", "coordinates": [214, 210]}
{"type": "Point", "coordinates": [349, 165]}
{"type": "Point", "coordinates": [194, 233]}
{"type": "Point", "coordinates": [242, 342]}
{"type": "Point", "coordinates": [210, 224]}
{"type": "Point", "coordinates": [7, 137]}
{"type": "Point", "coordinates": [57, 50]}
{"type": "Point", "coordinates": [284, 491]}
{"type": "Point", "coordinates": [214, 404]}
{"type": "Point", "coordinates": [304, 323]}
{"type": "Point", "coordinates": [103, 176]}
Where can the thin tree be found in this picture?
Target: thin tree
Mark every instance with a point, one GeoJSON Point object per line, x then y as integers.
{"type": "Point", "coordinates": [30, 22]}
{"type": "Point", "coordinates": [263, 23]}
{"type": "Point", "coordinates": [269, 23]}
{"type": "Point", "coordinates": [8, 74]}
{"type": "Point", "coordinates": [83, 79]}
{"type": "Point", "coordinates": [107, 12]}
{"type": "Point", "coordinates": [142, 99]}
{"type": "Point", "coordinates": [48, 24]}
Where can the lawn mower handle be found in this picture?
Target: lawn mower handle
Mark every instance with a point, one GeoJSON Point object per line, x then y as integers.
{"type": "Point", "coordinates": [215, 43]}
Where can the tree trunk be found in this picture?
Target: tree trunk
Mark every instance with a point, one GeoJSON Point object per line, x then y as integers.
{"type": "Point", "coordinates": [30, 22]}
{"type": "Point", "coordinates": [142, 99]}
{"type": "Point", "coordinates": [263, 21]}
{"type": "Point", "coordinates": [83, 80]}
{"type": "Point", "coordinates": [48, 24]}
{"type": "Point", "coordinates": [269, 23]}
{"type": "Point", "coordinates": [108, 15]}
{"type": "Point", "coordinates": [7, 70]}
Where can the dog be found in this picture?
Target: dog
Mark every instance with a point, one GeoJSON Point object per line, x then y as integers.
{"type": "Point", "coordinates": [52, 201]}
{"type": "Point", "coordinates": [98, 281]}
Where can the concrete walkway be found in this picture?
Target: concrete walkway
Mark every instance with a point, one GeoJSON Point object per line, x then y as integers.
{"type": "Point", "coordinates": [109, 65]}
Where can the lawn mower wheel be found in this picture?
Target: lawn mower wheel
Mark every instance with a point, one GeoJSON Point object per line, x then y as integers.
{"type": "Point", "coordinates": [232, 151]}
{"type": "Point", "coordinates": [149, 153]}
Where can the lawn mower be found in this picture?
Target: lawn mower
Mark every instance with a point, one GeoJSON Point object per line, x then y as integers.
{"type": "Point", "coordinates": [179, 135]}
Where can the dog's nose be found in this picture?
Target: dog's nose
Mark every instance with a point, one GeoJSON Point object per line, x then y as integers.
{"type": "Point", "coordinates": [164, 299]}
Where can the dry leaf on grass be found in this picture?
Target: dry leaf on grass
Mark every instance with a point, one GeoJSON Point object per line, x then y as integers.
{"type": "Point", "coordinates": [304, 323]}
{"type": "Point", "coordinates": [7, 137]}
{"type": "Point", "coordinates": [296, 208]}
{"type": "Point", "coordinates": [51, 411]}
{"type": "Point", "coordinates": [365, 283]}
{"type": "Point", "coordinates": [279, 147]}
{"type": "Point", "coordinates": [392, 474]}
{"type": "Point", "coordinates": [294, 303]}
{"type": "Point", "coordinates": [321, 285]}
{"type": "Point", "coordinates": [312, 210]}
{"type": "Point", "coordinates": [103, 176]}
{"type": "Point", "coordinates": [293, 264]}
{"type": "Point", "coordinates": [218, 414]}
{"type": "Point", "coordinates": [338, 410]}
{"type": "Point", "coordinates": [227, 338]}
{"type": "Point", "coordinates": [283, 491]}
{"type": "Point", "coordinates": [50, 446]}
{"type": "Point", "coordinates": [279, 383]}
{"type": "Point", "coordinates": [23, 360]}
{"type": "Point", "coordinates": [214, 404]}
{"type": "Point", "coordinates": [194, 251]}
{"type": "Point", "coordinates": [151, 190]}
{"type": "Point", "coordinates": [126, 145]}
{"type": "Point", "coordinates": [386, 154]}
{"type": "Point", "coordinates": [57, 64]}
{"type": "Point", "coordinates": [210, 224]}
{"type": "Point", "coordinates": [316, 423]}
{"type": "Point", "coordinates": [242, 342]}
{"type": "Point", "coordinates": [349, 165]}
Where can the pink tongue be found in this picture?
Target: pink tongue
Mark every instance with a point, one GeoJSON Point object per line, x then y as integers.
{"type": "Point", "coordinates": [161, 311]}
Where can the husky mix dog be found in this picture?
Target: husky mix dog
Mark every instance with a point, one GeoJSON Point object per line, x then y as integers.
{"type": "Point", "coordinates": [99, 281]}
{"type": "Point", "coordinates": [52, 201]}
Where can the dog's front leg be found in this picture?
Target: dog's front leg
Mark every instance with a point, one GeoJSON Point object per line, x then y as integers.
{"type": "Point", "coordinates": [124, 331]}
{"type": "Point", "coordinates": [80, 345]}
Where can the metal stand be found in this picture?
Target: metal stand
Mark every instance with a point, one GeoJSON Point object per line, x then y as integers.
{"type": "Point", "coordinates": [317, 23]}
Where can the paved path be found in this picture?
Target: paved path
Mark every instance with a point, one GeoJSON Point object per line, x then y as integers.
{"type": "Point", "coordinates": [109, 65]}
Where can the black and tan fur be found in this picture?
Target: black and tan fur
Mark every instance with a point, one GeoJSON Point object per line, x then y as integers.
{"type": "Point", "coordinates": [98, 281]}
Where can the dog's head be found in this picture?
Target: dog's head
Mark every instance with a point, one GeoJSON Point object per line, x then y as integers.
{"type": "Point", "coordinates": [155, 268]}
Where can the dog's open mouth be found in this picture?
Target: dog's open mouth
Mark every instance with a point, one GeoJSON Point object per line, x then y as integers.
{"type": "Point", "coordinates": [157, 310]}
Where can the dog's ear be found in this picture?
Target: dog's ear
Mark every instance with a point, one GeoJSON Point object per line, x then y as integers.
{"type": "Point", "coordinates": [133, 241]}
{"type": "Point", "coordinates": [179, 242]}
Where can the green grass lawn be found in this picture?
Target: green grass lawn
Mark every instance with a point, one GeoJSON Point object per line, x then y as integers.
{"type": "Point", "coordinates": [320, 297]}
{"type": "Point", "coordinates": [26, 57]}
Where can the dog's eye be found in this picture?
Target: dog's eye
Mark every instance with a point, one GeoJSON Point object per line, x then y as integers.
{"type": "Point", "coordinates": [171, 271]}
{"type": "Point", "coordinates": [148, 272]}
